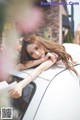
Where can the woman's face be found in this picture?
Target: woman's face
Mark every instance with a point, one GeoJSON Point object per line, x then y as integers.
{"type": "Point", "coordinates": [35, 51]}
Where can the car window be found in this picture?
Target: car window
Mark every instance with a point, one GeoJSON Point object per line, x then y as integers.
{"type": "Point", "coordinates": [21, 104]}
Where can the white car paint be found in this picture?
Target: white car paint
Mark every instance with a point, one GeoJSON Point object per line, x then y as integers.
{"type": "Point", "coordinates": [57, 95]}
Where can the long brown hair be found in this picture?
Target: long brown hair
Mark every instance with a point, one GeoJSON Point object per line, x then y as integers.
{"type": "Point", "coordinates": [49, 46]}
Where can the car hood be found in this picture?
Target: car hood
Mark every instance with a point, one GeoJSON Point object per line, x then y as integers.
{"type": "Point", "coordinates": [48, 74]}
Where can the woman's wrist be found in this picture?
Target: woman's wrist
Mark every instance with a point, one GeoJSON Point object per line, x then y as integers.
{"type": "Point", "coordinates": [43, 59]}
{"type": "Point", "coordinates": [29, 78]}
{"type": "Point", "coordinates": [32, 77]}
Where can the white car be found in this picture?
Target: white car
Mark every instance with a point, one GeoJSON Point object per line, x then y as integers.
{"type": "Point", "coordinates": [55, 93]}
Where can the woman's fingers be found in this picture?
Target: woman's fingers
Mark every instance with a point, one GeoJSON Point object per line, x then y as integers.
{"type": "Point", "coordinates": [52, 57]}
{"type": "Point", "coordinates": [15, 93]}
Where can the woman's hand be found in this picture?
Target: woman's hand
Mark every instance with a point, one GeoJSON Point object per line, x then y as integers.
{"type": "Point", "coordinates": [16, 92]}
{"type": "Point", "coordinates": [52, 56]}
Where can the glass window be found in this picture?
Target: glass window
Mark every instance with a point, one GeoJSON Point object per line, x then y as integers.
{"type": "Point", "coordinates": [21, 104]}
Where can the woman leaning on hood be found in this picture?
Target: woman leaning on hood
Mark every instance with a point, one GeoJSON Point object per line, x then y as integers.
{"type": "Point", "coordinates": [42, 53]}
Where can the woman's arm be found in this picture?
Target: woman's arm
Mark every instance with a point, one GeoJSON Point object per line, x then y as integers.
{"type": "Point", "coordinates": [30, 64]}
{"type": "Point", "coordinates": [33, 63]}
{"type": "Point", "coordinates": [44, 66]}
{"type": "Point", "coordinates": [17, 92]}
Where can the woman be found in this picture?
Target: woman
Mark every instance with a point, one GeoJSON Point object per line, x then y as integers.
{"type": "Point", "coordinates": [77, 36]}
{"type": "Point", "coordinates": [37, 51]}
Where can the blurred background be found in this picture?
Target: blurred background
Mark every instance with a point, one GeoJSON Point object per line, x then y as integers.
{"type": "Point", "coordinates": [59, 23]}
{"type": "Point", "coordinates": [49, 21]}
